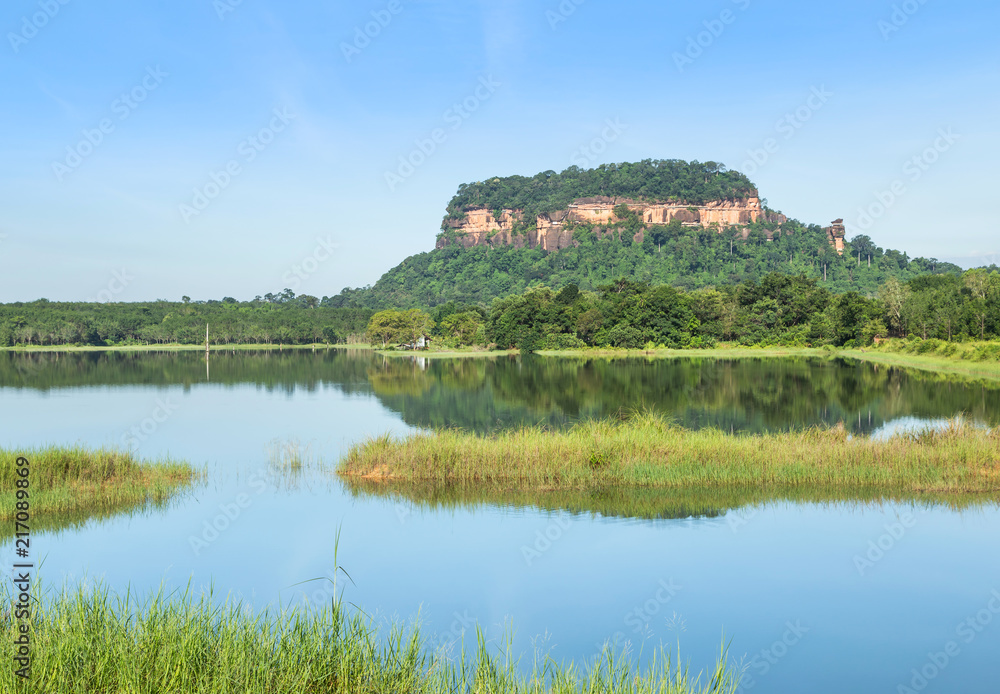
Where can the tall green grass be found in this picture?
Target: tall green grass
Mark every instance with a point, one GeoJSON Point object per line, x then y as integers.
{"type": "Point", "coordinates": [77, 481]}
{"type": "Point", "coordinates": [646, 450]}
{"type": "Point", "coordinates": [93, 641]}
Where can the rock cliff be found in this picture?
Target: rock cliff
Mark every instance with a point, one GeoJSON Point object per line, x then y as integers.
{"type": "Point", "coordinates": [554, 231]}
{"type": "Point", "coordinates": [836, 235]}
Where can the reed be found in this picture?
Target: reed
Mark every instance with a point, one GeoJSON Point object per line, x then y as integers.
{"type": "Point", "coordinates": [646, 450]}
{"type": "Point", "coordinates": [89, 640]}
{"type": "Point", "coordinates": [74, 482]}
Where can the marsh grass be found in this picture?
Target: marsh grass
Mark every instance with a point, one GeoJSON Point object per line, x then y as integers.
{"type": "Point", "coordinates": [89, 640]}
{"type": "Point", "coordinates": [290, 456]}
{"type": "Point", "coordinates": [77, 482]}
{"type": "Point", "coordinates": [647, 450]}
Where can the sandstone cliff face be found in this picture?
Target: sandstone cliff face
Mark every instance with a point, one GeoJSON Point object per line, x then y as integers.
{"type": "Point", "coordinates": [480, 227]}
{"type": "Point", "coordinates": [836, 235]}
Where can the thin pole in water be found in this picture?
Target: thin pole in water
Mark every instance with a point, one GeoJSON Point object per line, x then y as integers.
{"type": "Point", "coordinates": [207, 376]}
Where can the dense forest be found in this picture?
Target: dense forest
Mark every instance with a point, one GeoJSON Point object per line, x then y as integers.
{"type": "Point", "coordinates": [684, 257]}
{"type": "Point", "coordinates": [275, 319]}
{"type": "Point", "coordinates": [778, 310]}
{"type": "Point", "coordinates": [669, 180]}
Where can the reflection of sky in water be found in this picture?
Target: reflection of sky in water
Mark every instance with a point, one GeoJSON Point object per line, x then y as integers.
{"type": "Point", "coordinates": [593, 579]}
{"type": "Point", "coordinates": [912, 425]}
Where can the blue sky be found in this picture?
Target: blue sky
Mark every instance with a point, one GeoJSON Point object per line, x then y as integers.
{"type": "Point", "coordinates": [282, 121]}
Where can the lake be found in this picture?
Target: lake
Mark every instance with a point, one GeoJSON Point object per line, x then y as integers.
{"type": "Point", "coordinates": [828, 597]}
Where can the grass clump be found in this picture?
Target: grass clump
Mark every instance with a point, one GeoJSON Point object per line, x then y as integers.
{"type": "Point", "coordinates": [647, 450]}
{"type": "Point", "coordinates": [75, 481]}
{"type": "Point", "coordinates": [91, 641]}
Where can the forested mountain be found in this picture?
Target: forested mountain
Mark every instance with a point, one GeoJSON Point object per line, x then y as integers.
{"type": "Point", "coordinates": [684, 255]}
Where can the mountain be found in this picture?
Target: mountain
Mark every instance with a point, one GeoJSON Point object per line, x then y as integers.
{"type": "Point", "coordinates": [689, 225]}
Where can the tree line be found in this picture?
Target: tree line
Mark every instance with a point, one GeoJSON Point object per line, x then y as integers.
{"type": "Point", "coordinates": [790, 310]}
{"type": "Point", "coordinates": [282, 318]}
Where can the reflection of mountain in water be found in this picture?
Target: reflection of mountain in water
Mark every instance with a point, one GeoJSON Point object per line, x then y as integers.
{"type": "Point", "coordinates": [485, 394]}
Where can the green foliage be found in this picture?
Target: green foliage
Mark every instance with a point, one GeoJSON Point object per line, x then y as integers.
{"type": "Point", "coordinates": [283, 318]}
{"type": "Point", "coordinates": [392, 325]}
{"type": "Point", "coordinates": [777, 310]}
{"type": "Point", "coordinates": [661, 180]}
{"type": "Point", "coordinates": [90, 639]}
{"type": "Point", "coordinates": [684, 257]}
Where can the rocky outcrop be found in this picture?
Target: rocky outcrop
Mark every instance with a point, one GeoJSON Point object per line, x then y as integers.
{"type": "Point", "coordinates": [553, 231]}
{"type": "Point", "coordinates": [836, 234]}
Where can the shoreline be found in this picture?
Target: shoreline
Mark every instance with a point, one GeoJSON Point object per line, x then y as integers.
{"type": "Point", "coordinates": [935, 363]}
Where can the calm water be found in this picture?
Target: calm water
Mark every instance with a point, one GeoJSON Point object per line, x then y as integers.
{"type": "Point", "coordinates": [782, 581]}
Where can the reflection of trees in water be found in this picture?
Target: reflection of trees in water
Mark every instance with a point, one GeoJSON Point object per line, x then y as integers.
{"type": "Point", "coordinates": [272, 370]}
{"type": "Point", "coordinates": [486, 394]}
{"type": "Point", "coordinates": [741, 395]}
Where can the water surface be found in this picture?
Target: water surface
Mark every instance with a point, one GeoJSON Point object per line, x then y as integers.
{"type": "Point", "coordinates": [566, 576]}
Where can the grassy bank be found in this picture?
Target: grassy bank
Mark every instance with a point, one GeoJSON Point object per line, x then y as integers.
{"type": "Point", "coordinates": [75, 483]}
{"type": "Point", "coordinates": [95, 642]}
{"type": "Point", "coordinates": [648, 451]}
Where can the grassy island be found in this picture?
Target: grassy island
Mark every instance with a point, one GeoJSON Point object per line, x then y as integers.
{"type": "Point", "coordinates": [647, 451]}
{"type": "Point", "coordinates": [67, 485]}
